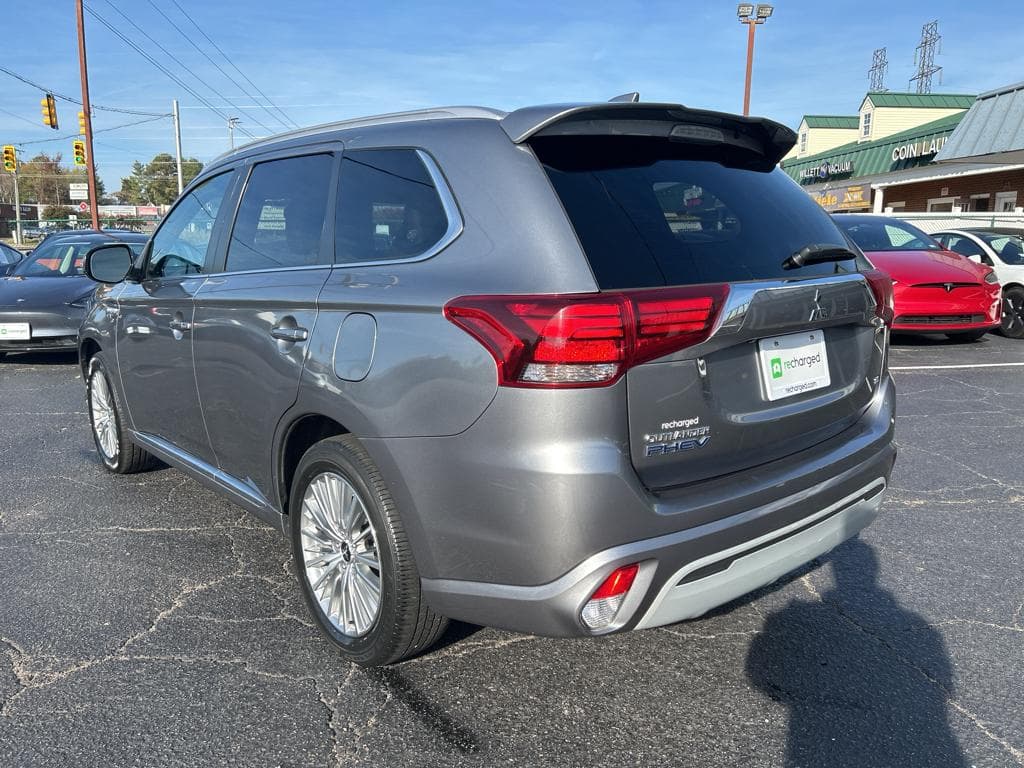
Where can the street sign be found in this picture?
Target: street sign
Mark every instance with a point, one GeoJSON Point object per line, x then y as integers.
{"type": "Point", "coordinates": [78, 191]}
{"type": "Point", "coordinates": [83, 207]}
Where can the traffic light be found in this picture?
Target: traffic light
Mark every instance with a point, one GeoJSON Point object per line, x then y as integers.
{"type": "Point", "coordinates": [81, 123]}
{"type": "Point", "coordinates": [78, 149]}
{"type": "Point", "coordinates": [49, 105]}
{"type": "Point", "coordinates": [10, 159]}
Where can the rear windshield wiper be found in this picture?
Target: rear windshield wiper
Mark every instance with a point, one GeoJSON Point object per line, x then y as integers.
{"type": "Point", "coordinates": [818, 254]}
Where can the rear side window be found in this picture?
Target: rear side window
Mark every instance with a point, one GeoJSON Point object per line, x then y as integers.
{"type": "Point", "coordinates": [649, 213]}
{"type": "Point", "coordinates": [388, 207]}
{"type": "Point", "coordinates": [281, 215]}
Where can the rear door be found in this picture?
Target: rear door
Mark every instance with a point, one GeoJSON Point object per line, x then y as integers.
{"type": "Point", "coordinates": [796, 353]}
{"type": "Point", "coordinates": [256, 312]}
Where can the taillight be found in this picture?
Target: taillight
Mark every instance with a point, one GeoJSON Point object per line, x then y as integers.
{"type": "Point", "coordinates": [600, 610]}
{"type": "Point", "coordinates": [585, 340]}
{"type": "Point", "coordinates": [881, 285]}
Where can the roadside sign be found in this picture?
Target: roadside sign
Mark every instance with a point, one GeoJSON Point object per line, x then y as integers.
{"type": "Point", "coordinates": [79, 194]}
{"type": "Point", "coordinates": [83, 207]}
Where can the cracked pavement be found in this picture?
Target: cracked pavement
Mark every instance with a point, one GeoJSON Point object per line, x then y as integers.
{"type": "Point", "coordinates": [145, 621]}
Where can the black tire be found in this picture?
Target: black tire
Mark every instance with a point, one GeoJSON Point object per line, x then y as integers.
{"type": "Point", "coordinates": [128, 458]}
{"type": "Point", "coordinates": [1012, 326]}
{"type": "Point", "coordinates": [405, 625]}
{"type": "Point", "coordinates": [967, 337]}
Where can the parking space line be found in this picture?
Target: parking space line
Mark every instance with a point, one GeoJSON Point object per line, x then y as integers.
{"type": "Point", "coordinates": [950, 367]}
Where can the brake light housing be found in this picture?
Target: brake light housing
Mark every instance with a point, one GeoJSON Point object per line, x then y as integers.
{"type": "Point", "coordinates": [585, 340]}
{"type": "Point", "coordinates": [602, 607]}
{"type": "Point", "coordinates": [881, 285]}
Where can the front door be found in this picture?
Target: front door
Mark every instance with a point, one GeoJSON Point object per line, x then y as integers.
{"type": "Point", "coordinates": [154, 330]}
{"type": "Point", "coordinates": [255, 313]}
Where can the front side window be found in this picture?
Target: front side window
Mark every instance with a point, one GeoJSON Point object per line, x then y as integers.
{"type": "Point", "coordinates": [281, 216]}
{"type": "Point", "coordinates": [180, 245]}
{"type": "Point", "coordinates": [962, 245]}
{"type": "Point", "coordinates": [388, 207]}
{"type": "Point", "coordinates": [1009, 248]}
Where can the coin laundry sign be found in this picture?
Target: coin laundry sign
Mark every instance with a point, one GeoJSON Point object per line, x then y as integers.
{"type": "Point", "coordinates": [826, 170]}
{"type": "Point", "coordinates": [918, 148]}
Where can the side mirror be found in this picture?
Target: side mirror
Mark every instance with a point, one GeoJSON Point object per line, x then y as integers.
{"type": "Point", "coordinates": [108, 263]}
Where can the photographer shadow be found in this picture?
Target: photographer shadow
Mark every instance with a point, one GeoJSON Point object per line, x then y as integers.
{"type": "Point", "coordinates": [853, 699]}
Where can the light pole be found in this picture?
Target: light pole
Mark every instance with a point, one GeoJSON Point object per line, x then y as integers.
{"type": "Point", "coordinates": [751, 15]}
{"type": "Point", "coordinates": [232, 122]}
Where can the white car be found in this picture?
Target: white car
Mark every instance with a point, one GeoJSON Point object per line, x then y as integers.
{"type": "Point", "coordinates": [1003, 250]}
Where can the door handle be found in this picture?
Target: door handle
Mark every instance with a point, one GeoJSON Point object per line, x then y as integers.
{"type": "Point", "coordinates": [180, 325]}
{"type": "Point", "coordinates": [138, 330]}
{"type": "Point", "coordinates": [289, 334]}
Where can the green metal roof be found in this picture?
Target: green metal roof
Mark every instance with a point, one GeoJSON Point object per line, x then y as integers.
{"type": "Point", "coordinates": [874, 157]}
{"type": "Point", "coordinates": [832, 121]}
{"type": "Point", "coordinates": [921, 100]}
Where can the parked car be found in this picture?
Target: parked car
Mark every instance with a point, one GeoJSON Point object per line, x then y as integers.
{"type": "Point", "coordinates": [570, 370]}
{"type": "Point", "coordinates": [934, 290]}
{"type": "Point", "coordinates": [45, 297]}
{"type": "Point", "coordinates": [8, 258]}
{"type": "Point", "coordinates": [1003, 250]}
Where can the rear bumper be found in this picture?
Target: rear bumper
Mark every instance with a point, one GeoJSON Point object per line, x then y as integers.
{"type": "Point", "coordinates": [521, 537]}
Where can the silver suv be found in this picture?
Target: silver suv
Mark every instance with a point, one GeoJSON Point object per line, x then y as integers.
{"type": "Point", "coordinates": [568, 370]}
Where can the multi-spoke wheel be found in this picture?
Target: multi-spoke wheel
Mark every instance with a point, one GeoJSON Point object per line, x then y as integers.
{"type": "Point", "coordinates": [339, 549]}
{"type": "Point", "coordinates": [354, 562]}
{"type": "Point", "coordinates": [1013, 313]}
{"type": "Point", "coordinates": [118, 452]}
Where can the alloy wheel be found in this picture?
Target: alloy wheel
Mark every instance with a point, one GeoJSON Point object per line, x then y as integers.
{"type": "Point", "coordinates": [340, 556]}
{"type": "Point", "coordinates": [104, 422]}
{"type": "Point", "coordinates": [1013, 313]}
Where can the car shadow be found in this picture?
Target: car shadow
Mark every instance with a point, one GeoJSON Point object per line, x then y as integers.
{"type": "Point", "coordinates": [63, 357]}
{"type": "Point", "coordinates": [853, 698]}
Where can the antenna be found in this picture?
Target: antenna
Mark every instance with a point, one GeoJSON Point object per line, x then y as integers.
{"type": "Point", "coordinates": [924, 57]}
{"type": "Point", "coordinates": [876, 75]}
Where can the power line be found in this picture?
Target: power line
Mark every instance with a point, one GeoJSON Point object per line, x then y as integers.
{"type": "Point", "coordinates": [100, 130]}
{"type": "Point", "coordinates": [72, 99]}
{"type": "Point", "coordinates": [179, 62]}
{"type": "Point", "coordinates": [159, 66]}
{"type": "Point", "coordinates": [19, 117]}
{"type": "Point", "coordinates": [233, 65]}
{"type": "Point", "coordinates": [218, 66]}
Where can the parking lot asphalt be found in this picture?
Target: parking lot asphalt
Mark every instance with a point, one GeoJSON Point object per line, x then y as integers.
{"type": "Point", "coordinates": [144, 621]}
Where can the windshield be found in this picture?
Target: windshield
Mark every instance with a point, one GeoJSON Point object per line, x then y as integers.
{"type": "Point", "coordinates": [60, 258]}
{"type": "Point", "coordinates": [1009, 248]}
{"type": "Point", "coordinates": [886, 235]}
{"type": "Point", "coordinates": [652, 214]}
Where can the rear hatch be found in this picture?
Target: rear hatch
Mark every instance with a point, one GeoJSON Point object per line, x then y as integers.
{"type": "Point", "coordinates": [792, 354]}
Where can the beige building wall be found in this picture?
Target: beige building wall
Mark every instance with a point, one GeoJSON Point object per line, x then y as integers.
{"type": "Point", "coordinates": [885, 121]}
{"type": "Point", "coordinates": [820, 140]}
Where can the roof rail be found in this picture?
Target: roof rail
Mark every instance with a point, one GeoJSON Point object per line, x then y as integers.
{"type": "Point", "coordinates": [437, 113]}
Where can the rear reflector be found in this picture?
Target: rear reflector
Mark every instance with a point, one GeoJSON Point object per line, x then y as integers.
{"type": "Point", "coordinates": [585, 340]}
{"type": "Point", "coordinates": [600, 610]}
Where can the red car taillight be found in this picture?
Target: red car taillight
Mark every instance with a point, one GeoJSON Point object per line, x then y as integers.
{"type": "Point", "coordinates": [600, 610]}
{"type": "Point", "coordinates": [881, 286]}
{"type": "Point", "coordinates": [585, 340]}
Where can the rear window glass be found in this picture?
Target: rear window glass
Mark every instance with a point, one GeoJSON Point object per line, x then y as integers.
{"type": "Point", "coordinates": [877, 234]}
{"type": "Point", "coordinates": [650, 214]}
{"type": "Point", "coordinates": [1009, 248]}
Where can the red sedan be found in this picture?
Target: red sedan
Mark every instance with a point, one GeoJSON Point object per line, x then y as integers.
{"type": "Point", "coordinates": [934, 290]}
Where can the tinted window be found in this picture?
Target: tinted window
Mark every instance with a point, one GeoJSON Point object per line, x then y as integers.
{"type": "Point", "coordinates": [9, 255]}
{"type": "Point", "coordinates": [1009, 248]}
{"type": "Point", "coordinates": [650, 213]}
{"type": "Point", "coordinates": [61, 258]}
{"type": "Point", "coordinates": [179, 246]}
{"type": "Point", "coordinates": [281, 216]}
{"type": "Point", "coordinates": [962, 245]}
{"type": "Point", "coordinates": [879, 234]}
{"type": "Point", "coordinates": [388, 207]}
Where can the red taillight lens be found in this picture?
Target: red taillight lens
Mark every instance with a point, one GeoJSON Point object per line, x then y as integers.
{"type": "Point", "coordinates": [585, 340]}
{"type": "Point", "coordinates": [600, 610]}
{"type": "Point", "coordinates": [881, 286]}
{"type": "Point", "coordinates": [618, 583]}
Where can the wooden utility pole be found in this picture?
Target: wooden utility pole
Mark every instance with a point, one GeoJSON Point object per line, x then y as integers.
{"type": "Point", "coordinates": [90, 163]}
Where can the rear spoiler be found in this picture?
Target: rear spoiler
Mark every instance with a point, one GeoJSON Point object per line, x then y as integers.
{"type": "Point", "coordinates": [765, 138]}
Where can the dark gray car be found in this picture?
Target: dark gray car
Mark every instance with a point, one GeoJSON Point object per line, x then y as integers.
{"type": "Point", "coordinates": [45, 296]}
{"type": "Point", "coordinates": [568, 370]}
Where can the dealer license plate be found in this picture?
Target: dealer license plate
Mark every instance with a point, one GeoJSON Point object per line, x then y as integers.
{"type": "Point", "coordinates": [15, 332]}
{"type": "Point", "coordinates": [793, 364]}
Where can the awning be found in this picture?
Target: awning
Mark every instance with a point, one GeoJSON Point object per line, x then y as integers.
{"type": "Point", "coordinates": [992, 131]}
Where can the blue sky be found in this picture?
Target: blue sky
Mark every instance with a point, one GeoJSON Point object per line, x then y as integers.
{"type": "Point", "coordinates": [322, 60]}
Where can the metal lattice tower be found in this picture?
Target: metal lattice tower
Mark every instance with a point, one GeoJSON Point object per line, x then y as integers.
{"type": "Point", "coordinates": [924, 57]}
{"type": "Point", "coordinates": [879, 65]}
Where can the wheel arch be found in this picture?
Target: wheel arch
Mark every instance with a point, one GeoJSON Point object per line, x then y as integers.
{"type": "Point", "coordinates": [87, 349]}
{"type": "Point", "coordinates": [300, 434]}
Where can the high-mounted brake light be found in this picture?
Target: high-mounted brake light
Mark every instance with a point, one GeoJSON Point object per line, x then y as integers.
{"type": "Point", "coordinates": [604, 604]}
{"type": "Point", "coordinates": [881, 285]}
{"type": "Point", "coordinates": [585, 340]}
